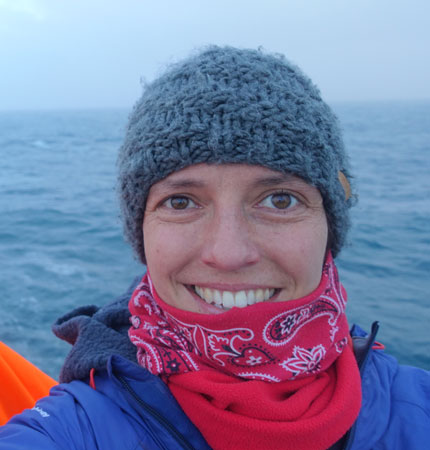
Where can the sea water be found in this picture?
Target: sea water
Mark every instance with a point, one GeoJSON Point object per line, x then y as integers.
{"type": "Point", "coordinates": [61, 243]}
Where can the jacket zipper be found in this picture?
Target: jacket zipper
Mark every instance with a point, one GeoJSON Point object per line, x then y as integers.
{"type": "Point", "coordinates": [370, 340]}
{"type": "Point", "coordinates": [161, 419]}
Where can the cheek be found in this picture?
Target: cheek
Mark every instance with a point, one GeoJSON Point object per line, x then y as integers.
{"type": "Point", "coordinates": [157, 247]}
{"type": "Point", "coordinates": [168, 250]}
{"type": "Point", "coordinates": [300, 252]}
{"type": "Point", "coordinates": [313, 250]}
{"type": "Point", "coordinates": [166, 247]}
{"type": "Point", "coordinates": [306, 239]}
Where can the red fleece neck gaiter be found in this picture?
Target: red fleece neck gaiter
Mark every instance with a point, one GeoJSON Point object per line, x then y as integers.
{"type": "Point", "coordinates": [280, 370]}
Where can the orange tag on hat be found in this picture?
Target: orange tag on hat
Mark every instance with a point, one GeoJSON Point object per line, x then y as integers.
{"type": "Point", "coordinates": [345, 184]}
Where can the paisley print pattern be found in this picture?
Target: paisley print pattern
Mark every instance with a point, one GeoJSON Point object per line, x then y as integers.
{"type": "Point", "coordinates": [283, 327]}
{"type": "Point", "coordinates": [305, 360]}
{"type": "Point", "coordinates": [281, 340]}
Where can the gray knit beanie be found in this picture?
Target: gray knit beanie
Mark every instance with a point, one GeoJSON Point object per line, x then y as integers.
{"type": "Point", "coordinates": [227, 105]}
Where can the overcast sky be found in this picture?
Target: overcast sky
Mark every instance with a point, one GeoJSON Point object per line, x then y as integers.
{"type": "Point", "coordinates": [93, 53]}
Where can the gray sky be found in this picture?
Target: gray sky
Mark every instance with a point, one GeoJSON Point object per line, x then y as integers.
{"type": "Point", "coordinates": [92, 53]}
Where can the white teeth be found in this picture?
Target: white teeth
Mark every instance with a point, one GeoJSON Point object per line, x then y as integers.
{"type": "Point", "coordinates": [251, 297]}
{"type": "Point", "coordinates": [208, 294]}
{"type": "Point", "coordinates": [217, 297]}
{"type": "Point", "coordinates": [240, 299]}
{"type": "Point", "coordinates": [259, 295]}
{"type": "Point", "coordinates": [228, 299]}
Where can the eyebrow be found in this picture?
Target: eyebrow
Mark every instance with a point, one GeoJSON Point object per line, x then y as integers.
{"type": "Point", "coordinates": [265, 181]}
{"type": "Point", "coordinates": [181, 184]}
{"type": "Point", "coordinates": [273, 180]}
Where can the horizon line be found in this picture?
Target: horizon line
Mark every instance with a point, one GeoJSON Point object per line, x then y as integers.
{"type": "Point", "coordinates": [66, 108]}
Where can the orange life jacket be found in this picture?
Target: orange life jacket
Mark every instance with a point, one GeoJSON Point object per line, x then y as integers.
{"type": "Point", "coordinates": [21, 383]}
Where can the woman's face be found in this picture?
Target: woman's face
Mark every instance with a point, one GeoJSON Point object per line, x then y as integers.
{"type": "Point", "coordinates": [218, 236]}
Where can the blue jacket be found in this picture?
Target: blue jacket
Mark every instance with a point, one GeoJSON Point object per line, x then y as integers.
{"type": "Point", "coordinates": [131, 408]}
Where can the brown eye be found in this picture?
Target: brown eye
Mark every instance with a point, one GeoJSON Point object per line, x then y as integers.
{"type": "Point", "coordinates": [281, 200]}
{"type": "Point", "coordinates": [179, 203]}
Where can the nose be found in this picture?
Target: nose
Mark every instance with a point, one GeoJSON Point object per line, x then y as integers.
{"type": "Point", "coordinates": [228, 243]}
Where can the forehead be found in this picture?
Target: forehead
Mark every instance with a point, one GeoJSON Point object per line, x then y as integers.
{"type": "Point", "coordinates": [202, 175]}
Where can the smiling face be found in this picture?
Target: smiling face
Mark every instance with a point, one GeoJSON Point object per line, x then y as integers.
{"type": "Point", "coordinates": [218, 236]}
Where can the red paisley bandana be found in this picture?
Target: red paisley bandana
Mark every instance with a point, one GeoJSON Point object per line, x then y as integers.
{"type": "Point", "coordinates": [269, 341]}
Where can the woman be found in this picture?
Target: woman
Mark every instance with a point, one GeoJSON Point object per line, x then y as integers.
{"type": "Point", "coordinates": [235, 190]}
